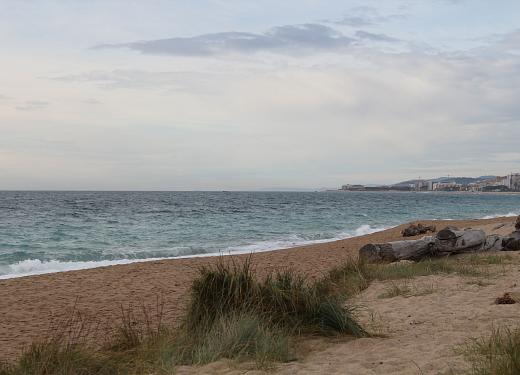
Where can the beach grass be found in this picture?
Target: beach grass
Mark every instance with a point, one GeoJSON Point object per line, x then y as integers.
{"type": "Point", "coordinates": [355, 275]}
{"type": "Point", "coordinates": [498, 354]}
{"type": "Point", "coordinates": [395, 290]}
{"type": "Point", "coordinates": [240, 336]}
{"type": "Point", "coordinates": [232, 314]}
{"type": "Point", "coordinates": [284, 299]}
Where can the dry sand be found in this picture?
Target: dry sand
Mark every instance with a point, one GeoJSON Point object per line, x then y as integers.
{"type": "Point", "coordinates": [421, 330]}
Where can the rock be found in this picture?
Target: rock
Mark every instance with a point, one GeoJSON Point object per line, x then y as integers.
{"type": "Point", "coordinates": [517, 224]}
{"type": "Point", "coordinates": [506, 299]}
{"type": "Point", "coordinates": [415, 230]}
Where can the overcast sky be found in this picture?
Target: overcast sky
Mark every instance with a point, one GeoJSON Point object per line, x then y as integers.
{"type": "Point", "coordinates": [218, 94]}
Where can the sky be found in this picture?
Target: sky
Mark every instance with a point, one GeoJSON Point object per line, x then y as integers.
{"type": "Point", "coordinates": [247, 95]}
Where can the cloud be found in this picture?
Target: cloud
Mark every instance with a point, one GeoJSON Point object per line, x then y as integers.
{"type": "Point", "coordinates": [505, 43]}
{"type": "Point", "coordinates": [355, 21]}
{"type": "Point", "coordinates": [91, 101]}
{"type": "Point", "coordinates": [4, 99]}
{"type": "Point", "coordinates": [32, 105]}
{"type": "Point", "coordinates": [180, 81]}
{"type": "Point", "coordinates": [375, 37]}
{"type": "Point", "coordinates": [278, 39]}
{"type": "Point", "coordinates": [365, 16]}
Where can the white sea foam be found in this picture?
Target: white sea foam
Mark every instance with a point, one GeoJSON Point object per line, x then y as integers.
{"type": "Point", "coordinates": [295, 241]}
{"type": "Point", "coordinates": [510, 214]}
{"type": "Point", "coordinates": [33, 267]}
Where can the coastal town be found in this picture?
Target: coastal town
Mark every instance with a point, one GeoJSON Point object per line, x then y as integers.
{"type": "Point", "coordinates": [508, 183]}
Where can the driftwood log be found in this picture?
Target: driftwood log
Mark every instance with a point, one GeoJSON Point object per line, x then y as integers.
{"type": "Point", "coordinates": [494, 242]}
{"type": "Point", "coordinates": [512, 242]}
{"type": "Point", "coordinates": [399, 250]}
{"type": "Point", "coordinates": [447, 241]}
{"type": "Point", "coordinates": [453, 241]}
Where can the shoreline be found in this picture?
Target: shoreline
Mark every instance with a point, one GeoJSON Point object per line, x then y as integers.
{"type": "Point", "coordinates": [86, 265]}
{"type": "Point", "coordinates": [32, 303]}
{"type": "Point", "coordinates": [36, 267]}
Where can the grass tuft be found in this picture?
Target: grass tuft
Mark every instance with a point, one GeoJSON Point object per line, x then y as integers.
{"type": "Point", "coordinates": [395, 290]}
{"type": "Point", "coordinates": [239, 336]}
{"type": "Point", "coordinates": [284, 299]}
{"type": "Point", "coordinates": [355, 275]}
{"type": "Point", "coordinates": [498, 354]}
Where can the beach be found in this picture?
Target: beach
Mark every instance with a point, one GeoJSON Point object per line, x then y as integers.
{"type": "Point", "coordinates": [30, 305]}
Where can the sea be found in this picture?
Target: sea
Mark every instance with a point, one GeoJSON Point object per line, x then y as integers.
{"type": "Point", "coordinates": [53, 231]}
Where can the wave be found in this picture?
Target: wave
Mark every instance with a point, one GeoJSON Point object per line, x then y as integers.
{"type": "Point", "coordinates": [32, 267]}
{"type": "Point", "coordinates": [510, 214]}
{"type": "Point", "coordinates": [295, 241]}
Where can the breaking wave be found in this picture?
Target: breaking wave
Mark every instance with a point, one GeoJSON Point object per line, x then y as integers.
{"type": "Point", "coordinates": [31, 267]}
{"type": "Point", "coordinates": [510, 214]}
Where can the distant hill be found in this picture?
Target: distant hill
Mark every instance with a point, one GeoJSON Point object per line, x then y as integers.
{"type": "Point", "coordinates": [457, 180]}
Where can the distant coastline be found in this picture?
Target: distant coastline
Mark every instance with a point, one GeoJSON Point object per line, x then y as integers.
{"type": "Point", "coordinates": [426, 192]}
{"type": "Point", "coordinates": [485, 184]}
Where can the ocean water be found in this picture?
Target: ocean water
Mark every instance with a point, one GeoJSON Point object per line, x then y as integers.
{"type": "Point", "coordinates": [44, 232]}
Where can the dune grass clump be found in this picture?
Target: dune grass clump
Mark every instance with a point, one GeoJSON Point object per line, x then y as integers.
{"type": "Point", "coordinates": [355, 275]}
{"type": "Point", "coordinates": [422, 268]}
{"type": "Point", "coordinates": [65, 352]}
{"type": "Point", "coordinates": [498, 354]}
{"type": "Point", "coordinates": [232, 314]}
{"type": "Point", "coordinates": [395, 290]}
{"type": "Point", "coordinates": [284, 299]}
{"type": "Point", "coordinates": [239, 336]}
{"type": "Point", "coordinates": [53, 357]}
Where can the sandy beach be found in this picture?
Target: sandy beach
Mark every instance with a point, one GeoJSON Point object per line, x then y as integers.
{"type": "Point", "coordinates": [29, 305]}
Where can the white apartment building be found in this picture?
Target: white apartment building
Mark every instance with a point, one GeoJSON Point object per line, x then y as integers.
{"type": "Point", "coordinates": [511, 181]}
{"type": "Point", "coordinates": [514, 181]}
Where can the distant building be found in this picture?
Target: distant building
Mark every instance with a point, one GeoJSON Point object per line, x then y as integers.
{"type": "Point", "coordinates": [353, 187]}
{"type": "Point", "coordinates": [503, 181]}
{"type": "Point", "coordinates": [448, 186]}
{"type": "Point", "coordinates": [514, 181]}
{"type": "Point", "coordinates": [511, 182]}
{"type": "Point", "coordinates": [421, 185]}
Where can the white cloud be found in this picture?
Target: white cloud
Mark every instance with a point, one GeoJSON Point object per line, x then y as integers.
{"type": "Point", "coordinates": [32, 105]}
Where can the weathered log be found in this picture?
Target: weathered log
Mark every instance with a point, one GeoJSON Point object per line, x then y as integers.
{"type": "Point", "coordinates": [512, 242]}
{"type": "Point", "coordinates": [447, 241]}
{"type": "Point", "coordinates": [399, 250]}
{"type": "Point", "coordinates": [451, 241]}
{"type": "Point", "coordinates": [493, 243]}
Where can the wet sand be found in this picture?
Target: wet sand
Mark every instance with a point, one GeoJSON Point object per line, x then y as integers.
{"type": "Point", "coordinates": [30, 305]}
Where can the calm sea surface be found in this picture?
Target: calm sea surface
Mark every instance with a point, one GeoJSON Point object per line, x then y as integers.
{"type": "Point", "coordinates": [54, 231]}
